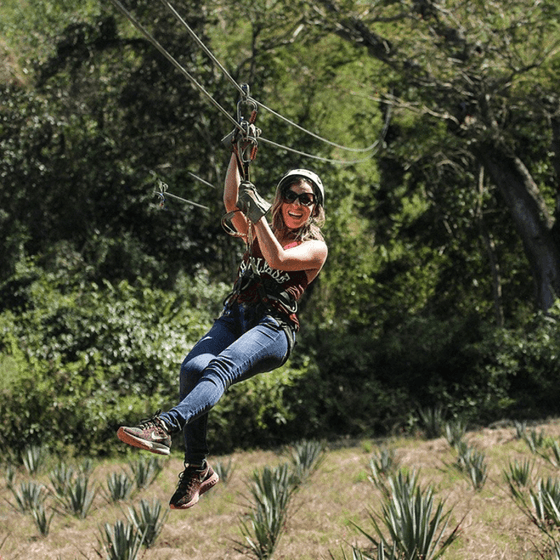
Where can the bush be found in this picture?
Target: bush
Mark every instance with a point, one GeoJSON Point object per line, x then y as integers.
{"type": "Point", "coordinates": [78, 360]}
{"type": "Point", "coordinates": [361, 384]}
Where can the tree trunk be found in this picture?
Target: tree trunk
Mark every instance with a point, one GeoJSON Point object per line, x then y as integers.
{"type": "Point", "coordinates": [531, 218]}
{"type": "Point", "coordinates": [491, 251]}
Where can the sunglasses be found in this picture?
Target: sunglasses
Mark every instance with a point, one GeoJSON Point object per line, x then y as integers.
{"type": "Point", "coordinates": [305, 199]}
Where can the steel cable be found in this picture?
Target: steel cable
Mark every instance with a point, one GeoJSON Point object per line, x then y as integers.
{"type": "Point", "coordinates": [173, 61]}
{"type": "Point", "coordinates": [209, 97]}
{"type": "Point", "coordinates": [209, 53]}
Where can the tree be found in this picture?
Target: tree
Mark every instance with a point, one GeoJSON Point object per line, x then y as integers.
{"type": "Point", "coordinates": [489, 72]}
{"type": "Point", "coordinates": [100, 117]}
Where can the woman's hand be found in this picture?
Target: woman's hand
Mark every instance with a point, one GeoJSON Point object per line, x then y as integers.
{"type": "Point", "coordinates": [251, 203]}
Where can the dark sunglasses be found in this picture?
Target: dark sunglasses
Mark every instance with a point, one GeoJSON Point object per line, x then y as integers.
{"type": "Point", "coordinates": [305, 199]}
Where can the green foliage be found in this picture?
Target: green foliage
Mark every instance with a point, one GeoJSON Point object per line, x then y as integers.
{"type": "Point", "coordinates": [121, 541]}
{"type": "Point", "coordinates": [79, 360]}
{"type": "Point", "coordinates": [414, 522]}
{"type": "Point", "coordinates": [148, 521]}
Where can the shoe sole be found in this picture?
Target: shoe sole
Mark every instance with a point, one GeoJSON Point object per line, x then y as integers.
{"type": "Point", "coordinates": [154, 447]}
{"type": "Point", "coordinates": [204, 487]}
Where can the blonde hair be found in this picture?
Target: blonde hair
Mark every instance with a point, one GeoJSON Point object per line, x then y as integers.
{"type": "Point", "coordinates": [311, 229]}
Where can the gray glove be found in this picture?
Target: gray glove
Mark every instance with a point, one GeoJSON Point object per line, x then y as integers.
{"type": "Point", "coordinates": [251, 203]}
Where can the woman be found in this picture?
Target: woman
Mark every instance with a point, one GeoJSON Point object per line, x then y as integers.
{"type": "Point", "coordinates": [256, 330]}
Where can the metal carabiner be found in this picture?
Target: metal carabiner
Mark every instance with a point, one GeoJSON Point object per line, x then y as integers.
{"type": "Point", "coordinates": [247, 100]}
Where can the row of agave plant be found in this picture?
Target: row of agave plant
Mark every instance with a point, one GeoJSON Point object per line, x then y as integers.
{"type": "Point", "coordinates": [71, 491]}
{"type": "Point", "coordinates": [412, 525]}
{"type": "Point", "coordinates": [268, 505]}
{"type": "Point", "coordinates": [270, 498]}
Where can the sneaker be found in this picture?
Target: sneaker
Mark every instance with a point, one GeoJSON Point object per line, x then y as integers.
{"type": "Point", "coordinates": [151, 434]}
{"type": "Point", "coordinates": [193, 482]}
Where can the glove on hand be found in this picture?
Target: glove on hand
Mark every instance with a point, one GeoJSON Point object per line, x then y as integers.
{"type": "Point", "coordinates": [251, 203]}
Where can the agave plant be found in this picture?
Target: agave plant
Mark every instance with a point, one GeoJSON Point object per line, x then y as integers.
{"type": "Point", "coordinates": [79, 497]}
{"type": "Point", "coordinates": [121, 541]}
{"type": "Point", "coordinates": [455, 431]}
{"type": "Point", "coordinates": [520, 429]}
{"type": "Point", "coordinates": [34, 457]}
{"type": "Point", "coordinates": [28, 496]}
{"type": "Point", "coordinates": [271, 492]}
{"type": "Point", "coordinates": [42, 519]}
{"type": "Point", "coordinates": [148, 520]}
{"type": "Point", "coordinates": [383, 464]}
{"type": "Point", "coordinates": [10, 476]}
{"type": "Point", "coordinates": [432, 421]}
{"type": "Point", "coordinates": [546, 503]}
{"type": "Point", "coordinates": [224, 470]}
{"type": "Point", "coordinates": [554, 457]}
{"type": "Point", "coordinates": [119, 486]}
{"type": "Point", "coordinates": [414, 522]}
{"type": "Point", "coordinates": [472, 463]}
{"type": "Point", "coordinates": [145, 470]}
{"type": "Point", "coordinates": [518, 476]}
{"type": "Point", "coordinates": [61, 478]}
{"type": "Point", "coordinates": [306, 457]}
{"type": "Point", "coordinates": [534, 440]}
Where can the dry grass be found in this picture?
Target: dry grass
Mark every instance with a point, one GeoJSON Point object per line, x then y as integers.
{"type": "Point", "coordinates": [323, 511]}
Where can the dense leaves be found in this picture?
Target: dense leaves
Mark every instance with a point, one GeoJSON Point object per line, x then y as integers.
{"type": "Point", "coordinates": [427, 293]}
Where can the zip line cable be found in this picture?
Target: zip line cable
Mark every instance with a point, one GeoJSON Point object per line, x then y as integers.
{"type": "Point", "coordinates": [201, 44]}
{"type": "Point", "coordinates": [201, 88]}
{"type": "Point", "coordinates": [163, 193]}
{"type": "Point", "coordinates": [316, 136]}
{"type": "Point", "coordinates": [312, 156]}
{"type": "Point", "coordinates": [169, 57]}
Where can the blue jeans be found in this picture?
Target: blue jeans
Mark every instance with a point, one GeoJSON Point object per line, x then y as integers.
{"type": "Point", "coordinates": [242, 343]}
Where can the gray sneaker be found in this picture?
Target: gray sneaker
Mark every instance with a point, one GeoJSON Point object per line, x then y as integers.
{"type": "Point", "coordinates": [151, 434]}
{"type": "Point", "coordinates": [193, 482]}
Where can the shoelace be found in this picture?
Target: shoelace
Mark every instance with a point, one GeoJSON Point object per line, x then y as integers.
{"type": "Point", "coordinates": [153, 421]}
{"type": "Point", "coordinates": [189, 477]}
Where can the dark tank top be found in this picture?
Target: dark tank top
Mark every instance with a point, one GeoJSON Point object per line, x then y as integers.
{"type": "Point", "coordinates": [281, 289]}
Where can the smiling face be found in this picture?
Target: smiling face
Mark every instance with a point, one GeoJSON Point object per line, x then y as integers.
{"type": "Point", "coordinates": [295, 214]}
